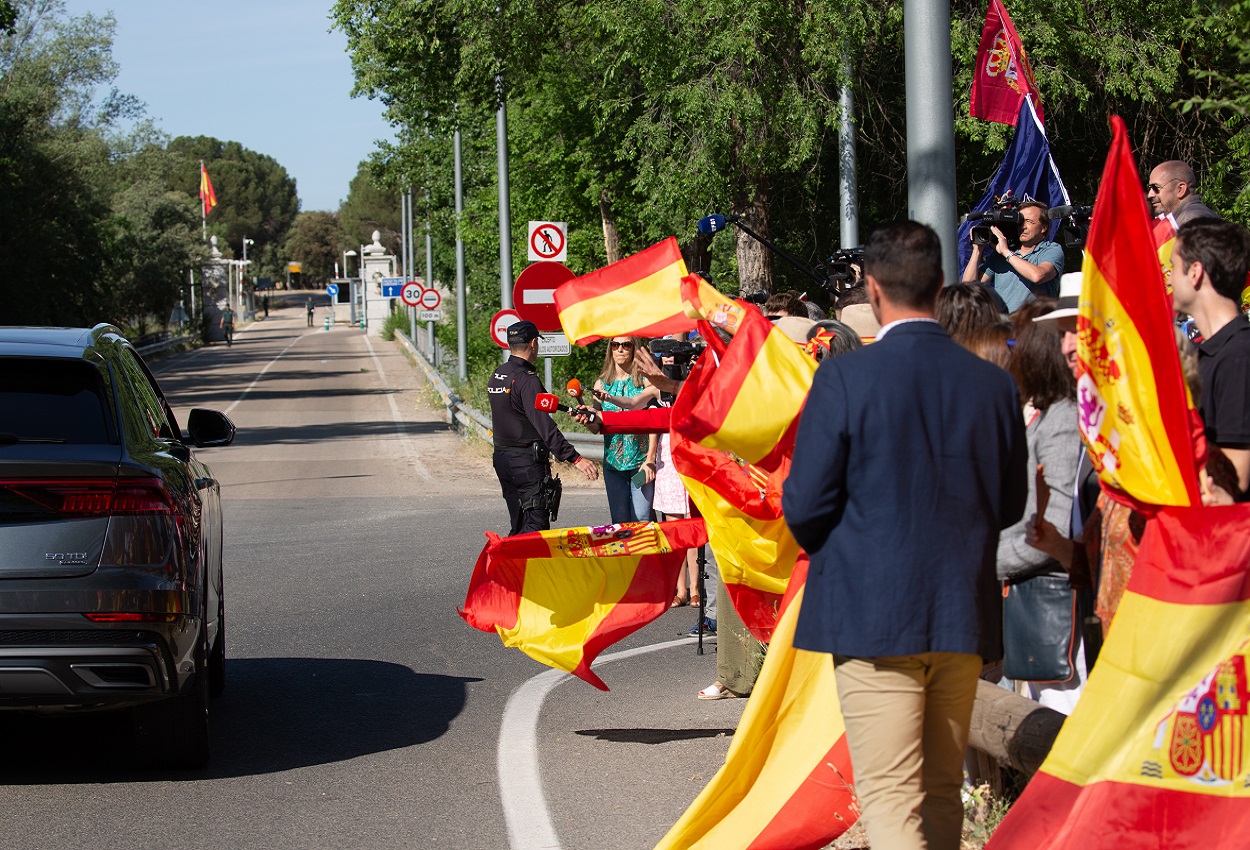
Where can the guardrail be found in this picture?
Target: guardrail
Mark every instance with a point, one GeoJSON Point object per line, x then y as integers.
{"type": "Point", "coordinates": [162, 345]}
{"type": "Point", "coordinates": [461, 415]}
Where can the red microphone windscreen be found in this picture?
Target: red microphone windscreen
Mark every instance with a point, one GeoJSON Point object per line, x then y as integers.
{"type": "Point", "coordinates": [575, 388]}
{"type": "Point", "coordinates": [547, 402]}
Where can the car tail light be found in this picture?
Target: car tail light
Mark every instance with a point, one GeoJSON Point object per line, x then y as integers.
{"type": "Point", "coordinates": [130, 617]}
{"type": "Point", "coordinates": [90, 497]}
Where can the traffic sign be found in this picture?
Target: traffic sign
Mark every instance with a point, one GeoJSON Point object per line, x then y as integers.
{"type": "Point", "coordinates": [411, 293]}
{"type": "Point", "coordinates": [554, 345]}
{"type": "Point", "coordinates": [548, 241]}
{"type": "Point", "coordinates": [392, 290]}
{"type": "Point", "coordinates": [430, 299]}
{"type": "Point", "coordinates": [332, 289]}
{"type": "Point", "coordinates": [429, 315]}
{"type": "Point", "coordinates": [534, 295]}
{"type": "Point", "coordinates": [499, 326]}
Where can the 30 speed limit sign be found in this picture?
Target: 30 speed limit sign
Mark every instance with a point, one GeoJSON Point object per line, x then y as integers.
{"type": "Point", "coordinates": [411, 293]}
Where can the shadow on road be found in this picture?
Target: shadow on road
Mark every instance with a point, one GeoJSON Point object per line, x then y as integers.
{"type": "Point", "coordinates": [652, 736]}
{"type": "Point", "coordinates": [276, 714]}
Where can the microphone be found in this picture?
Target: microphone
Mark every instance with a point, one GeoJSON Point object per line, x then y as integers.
{"type": "Point", "coordinates": [715, 223]}
{"type": "Point", "coordinates": [1067, 210]}
{"type": "Point", "coordinates": [549, 403]}
{"type": "Point", "coordinates": [574, 388]}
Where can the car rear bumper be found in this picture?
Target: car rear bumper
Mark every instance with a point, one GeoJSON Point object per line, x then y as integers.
{"type": "Point", "coordinates": [59, 662]}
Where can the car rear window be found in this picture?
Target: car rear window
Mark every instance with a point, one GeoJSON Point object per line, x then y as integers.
{"type": "Point", "coordinates": [52, 400]}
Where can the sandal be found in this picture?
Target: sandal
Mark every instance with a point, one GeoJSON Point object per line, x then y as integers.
{"type": "Point", "coordinates": [696, 601]}
{"type": "Point", "coordinates": [678, 602]}
{"type": "Point", "coordinates": [717, 691]}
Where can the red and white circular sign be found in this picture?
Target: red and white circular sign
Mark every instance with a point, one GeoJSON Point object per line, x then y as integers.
{"type": "Point", "coordinates": [534, 294]}
{"type": "Point", "coordinates": [430, 299]}
{"type": "Point", "coordinates": [547, 241]}
{"type": "Point", "coordinates": [411, 293]}
{"type": "Point", "coordinates": [499, 326]}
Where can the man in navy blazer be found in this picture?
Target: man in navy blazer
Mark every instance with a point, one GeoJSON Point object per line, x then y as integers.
{"type": "Point", "coordinates": [910, 458]}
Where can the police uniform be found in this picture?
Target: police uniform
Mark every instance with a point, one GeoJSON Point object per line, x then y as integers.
{"type": "Point", "coordinates": [524, 436]}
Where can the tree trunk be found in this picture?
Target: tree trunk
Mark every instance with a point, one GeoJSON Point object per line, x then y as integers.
{"type": "Point", "coordinates": [698, 254]}
{"type": "Point", "coordinates": [611, 236]}
{"type": "Point", "coordinates": [755, 261]}
{"type": "Point", "coordinates": [1016, 731]}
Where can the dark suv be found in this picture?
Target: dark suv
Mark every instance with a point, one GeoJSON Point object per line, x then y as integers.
{"type": "Point", "coordinates": [111, 591]}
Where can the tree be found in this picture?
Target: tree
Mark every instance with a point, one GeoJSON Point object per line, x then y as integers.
{"type": "Point", "coordinates": [316, 242]}
{"type": "Point", "coordinates": [370, 207]}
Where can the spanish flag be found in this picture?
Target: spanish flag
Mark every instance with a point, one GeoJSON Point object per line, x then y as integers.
{"type": "Point", "coordinates": [1135, 411]}
{"type": "Point", "coordinates": [565, 595]}
{"type": "Point", "coordinates": [747, 395]}
{"type": "Point", "coordinates": [637, 296]}
{"type": "Point", "coordinates": [1154, 755]}
{"type": "Point", "coordinates": [787, 781]}
{"type": "Point", "coordinates": [207, 196]}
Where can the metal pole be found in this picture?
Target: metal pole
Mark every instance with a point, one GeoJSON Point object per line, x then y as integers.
{"type": "Point", "coordinates": [848, 192]}
{"type": "Point", "coordinates": [429, 268]}
{"type": "Point", "coordinates": [505, 209]}
{"type": "Point", "coordinates": [547, 372]}
{"type": "Point", "coordinates": [931, 122]}
{"type": "Point", "coordinates": [462, 351]}
{"type": "Point", "coordinates": [410, 261]}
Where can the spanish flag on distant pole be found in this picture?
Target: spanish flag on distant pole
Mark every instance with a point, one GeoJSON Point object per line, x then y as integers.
{"type": "Point", "coordinates": [208, 198]}
{"type": "Point", "coordinates": [1135, 411]}
{"type": "Point", "coordinates": [637, 296]}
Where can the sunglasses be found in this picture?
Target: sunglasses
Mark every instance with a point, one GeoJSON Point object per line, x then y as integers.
{"type": "Point", "coordinates": [615, 345]}
{"type": "Point", "coordinates": [1157, 188]}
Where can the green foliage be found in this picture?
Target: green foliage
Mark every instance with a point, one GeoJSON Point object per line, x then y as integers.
{"type": "Point", "coordinates": [370, 207]}
{"type": "Point", "coordinates": [317, 242]}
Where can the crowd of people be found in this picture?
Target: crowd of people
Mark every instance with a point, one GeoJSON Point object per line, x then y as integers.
{"type": "Point", "coordinates": [961, 414]}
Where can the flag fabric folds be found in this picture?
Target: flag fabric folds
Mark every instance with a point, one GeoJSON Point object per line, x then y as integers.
{"type": "Point", "coordinates": [1154, 754]}
{"type": "Point", "coordinates": [563, 596]}
{"type": "Point", "coordinates": [787, 781]}
{"type": "Point", "coordinates": [1135, 412]}
{"type": "Point", "coordinates": [637, 296]}
{"type": "Point", "coordinates": [1001, 77]}
{"type": "Point", "coordinates": [1027, 171]}
{"type": "Point", "coordinates": [207, 196]}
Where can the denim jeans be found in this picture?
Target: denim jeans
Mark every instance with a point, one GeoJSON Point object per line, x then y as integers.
{"type": "Point", "coordinates": [627, 503]}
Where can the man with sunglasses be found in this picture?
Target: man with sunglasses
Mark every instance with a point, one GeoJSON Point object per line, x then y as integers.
{"type": "Point", "coordinates": [1171, 190]}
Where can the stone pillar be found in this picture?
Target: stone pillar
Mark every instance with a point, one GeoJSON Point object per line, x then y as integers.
{"type": "Point", "coordinates": [216, 293]}
{"type": "Point", "coordinates": [376, 264]}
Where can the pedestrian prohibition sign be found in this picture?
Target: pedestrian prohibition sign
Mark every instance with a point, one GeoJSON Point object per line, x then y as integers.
{"type": "Point", "coordinates": [412, 293]}
{"type": "Point", "coordinates": [547, 241]}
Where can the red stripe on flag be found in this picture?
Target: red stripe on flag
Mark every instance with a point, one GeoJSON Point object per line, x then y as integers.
{"type": "Point", "coordinates": [711, 388]}
{"type": "Point", "coordinates": [1128, 816]}
{"type": "Point", "coordinates": [622, 273]}
{"type": "Point", "coordinates": [1195, 556]}
{"type": "Point", "coordinates": [494, 594]}
{"type": "Point", "coordinates": [813, 818]}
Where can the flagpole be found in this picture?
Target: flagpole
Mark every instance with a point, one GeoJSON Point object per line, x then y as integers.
{"type": "Point", "coordinates": [203, 212]}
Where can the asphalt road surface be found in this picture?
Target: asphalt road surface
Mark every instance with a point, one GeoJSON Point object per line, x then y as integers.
{"type": "Point", "coordinates": [360, 710]}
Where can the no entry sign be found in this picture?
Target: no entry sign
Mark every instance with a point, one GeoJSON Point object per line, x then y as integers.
{"type": "Point", "coordinates": [499, 326]}
{"type": "Point", "coordinates": [534, 295]}
{"type": "Point", "coordinates": [548, 241]}
{"type": "Point", "coordinates": [430, 299]}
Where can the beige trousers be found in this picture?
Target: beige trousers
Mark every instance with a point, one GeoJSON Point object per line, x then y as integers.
{"type": "Point", "coordinates": [907, 726]}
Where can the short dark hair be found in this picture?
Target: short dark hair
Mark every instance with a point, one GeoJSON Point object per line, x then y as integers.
{"type": "Point", "coordinates": [1043, 214]}
{"type": "Point", "coordinates": [857, 294]}
{"type": "Point", "coordinates": [1037, 363]}
{"type": "Point", "coordinates": [1223, 248]}
{"type": "Point", "coordinates": [905, 258]}
{"type": "Point", "coordinates": [789, 301]}
{"type": "Point", "coordinates": [963, 308]}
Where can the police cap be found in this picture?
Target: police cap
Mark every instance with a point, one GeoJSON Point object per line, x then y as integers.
{"type": "Point", "coordinates": [521, 332]}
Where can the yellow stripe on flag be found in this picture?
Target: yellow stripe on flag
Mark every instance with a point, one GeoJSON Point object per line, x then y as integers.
{"type": "Point", "coordinates": [772, 396]}
{"type": "Point", "coordinates": [625, 310]}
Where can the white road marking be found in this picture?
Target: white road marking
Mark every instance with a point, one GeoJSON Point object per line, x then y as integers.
{"type": "Point", "coordinates": [520, 786]}
{"type": "Point", "coordinates": [401, 427]}
{"type": "Point", "coordinates": [256, 380]}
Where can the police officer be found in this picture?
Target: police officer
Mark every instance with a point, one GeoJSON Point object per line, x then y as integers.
{"type": "Point", "coordinates": [525, 435]}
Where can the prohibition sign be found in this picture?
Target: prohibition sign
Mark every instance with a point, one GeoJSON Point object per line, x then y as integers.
{"type": "Point", "coordinates": [430, 299]}
{"type": "Point", "coordinates": [411, 293]}
{"type": "Point", "coordinates": [499, 326]}
{"type": "Point", "coordinates": [547, 241]}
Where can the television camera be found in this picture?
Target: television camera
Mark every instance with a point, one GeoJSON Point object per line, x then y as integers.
{"type": "Point", "coordinates": [1005, 215]}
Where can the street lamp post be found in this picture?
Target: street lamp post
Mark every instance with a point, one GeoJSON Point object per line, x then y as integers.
{"type": "Point", "coordinates": [350, 283]}
{"type": "Point", "coordinates": [243, 270]}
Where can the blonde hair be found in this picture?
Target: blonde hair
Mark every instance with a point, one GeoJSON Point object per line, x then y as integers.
{"type": "Point", "coordinates": [608, 374]}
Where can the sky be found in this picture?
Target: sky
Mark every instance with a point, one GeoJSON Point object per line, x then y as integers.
{"type": "Point", "coordinates": [266, 73]}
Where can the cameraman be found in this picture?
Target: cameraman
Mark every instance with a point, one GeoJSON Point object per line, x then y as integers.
{"type": "Point", "coordinates": [1032, 270]}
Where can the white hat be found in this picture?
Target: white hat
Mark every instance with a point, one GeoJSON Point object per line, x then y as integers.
{"type": "Point", "coordinates": [795, 327]}
{"type": "Point", "coordinates": [1069, 298]}
{"type": "Point", "coordinates": [860, 318]}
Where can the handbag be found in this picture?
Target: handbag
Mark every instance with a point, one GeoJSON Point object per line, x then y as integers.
{"type": "Point", "coordinates": [1039, 629]}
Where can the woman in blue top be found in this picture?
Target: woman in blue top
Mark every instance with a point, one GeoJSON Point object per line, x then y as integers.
{"type": "Point", "coordinates": [628, 459]}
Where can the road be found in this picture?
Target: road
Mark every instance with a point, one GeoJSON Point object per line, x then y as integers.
{"type": "Point", "coordinates": [360, 710]}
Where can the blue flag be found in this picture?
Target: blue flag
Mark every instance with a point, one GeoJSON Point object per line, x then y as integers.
{"type": "Point", "coordinates": [1027, 172]}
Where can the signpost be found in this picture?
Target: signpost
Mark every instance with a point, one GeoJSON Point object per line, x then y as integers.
{"type": "Point", "coordinates": [411, 293]}
{"type": "Point", "coordinates": [332, 289]}
{"type": "Point", "coordinates": [499, 324]}
{"type": "Point", "coordinates": [548, 241]}
{"type": "Point", "coordinates": [430, 299]}
{"type": "Point", "coordinates": [430, 315]}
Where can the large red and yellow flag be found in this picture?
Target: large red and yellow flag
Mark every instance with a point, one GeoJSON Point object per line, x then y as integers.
{"type": "Point", "coordinates": [1001, 77]}
{"type": "Point", "coordinates": [637, 296]}
{"type": "Point", "coordinates": [565, 595]}
{"type": "Point", "coordinates": [1155, 753]}
{"type": "Point", "coordinates": [1135, 411]}
{"type": "Point", "coordinates": [207, 196]}
{"type": "Point", "coordinates": [787, 782]}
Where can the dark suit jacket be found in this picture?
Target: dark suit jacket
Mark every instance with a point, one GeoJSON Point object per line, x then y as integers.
{"type": "Point", "coordinates": [910, 458]}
